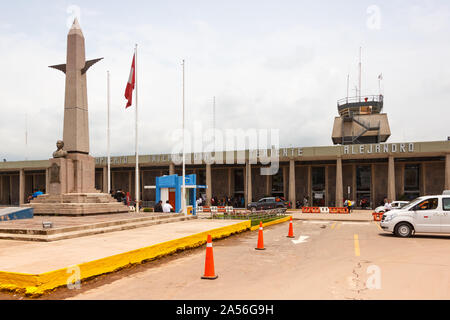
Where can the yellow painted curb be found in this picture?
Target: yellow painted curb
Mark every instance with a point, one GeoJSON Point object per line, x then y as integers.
{"type": "Point", "coordinates": [271, 223]}
{"type": "Point", "coordinates": [38, 284]}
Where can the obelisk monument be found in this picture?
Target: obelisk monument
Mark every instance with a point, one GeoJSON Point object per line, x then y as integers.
{"type": "Point", "coordinates": [76, 120]}
{"type": "Point", "coordinates": [72, 170]}
{"type": "Point", "coordinates": [76, 124]}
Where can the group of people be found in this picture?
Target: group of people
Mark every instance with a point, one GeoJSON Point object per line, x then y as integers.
{"type": "Point", "coordinates": [236, 202]}
{"type": "Point", "coordinates": [302, 203]}
{"type": "Point", "coordinates": [35, 194]}
{"type": "Point", "coordinates": [364, 203]}
{"type": "Point", "coordinates": [349, 204]}
{"type": "Point", "coordinates": [164, 207]}
{"type": "Point", "coordinates": [119, 195]}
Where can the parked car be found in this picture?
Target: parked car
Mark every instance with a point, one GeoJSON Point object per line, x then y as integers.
{"type": "Point", "coordinates": [428, 214]}
{"type": "Point", "coordinates": [266, 204]}
{"type": "Point", "coordinates": [394, 204]}
{"type": "Point", "coordinates": [288, 204]}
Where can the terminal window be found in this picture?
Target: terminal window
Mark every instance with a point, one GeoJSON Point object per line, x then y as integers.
{"type": "Point", "coordinates": [363, 184]}
{"type": "Point", "coordinates": [411, 182]}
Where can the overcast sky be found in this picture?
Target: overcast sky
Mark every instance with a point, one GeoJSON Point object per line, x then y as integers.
{"type": "Point", "coordinates": [270, 64]}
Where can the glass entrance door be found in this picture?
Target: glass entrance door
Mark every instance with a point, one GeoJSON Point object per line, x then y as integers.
{"type": "Point", "coordinates": [318, 186]}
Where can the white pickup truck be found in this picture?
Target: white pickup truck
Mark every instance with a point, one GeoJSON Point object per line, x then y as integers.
{"type": "Point", "coordinates": [427, 214]}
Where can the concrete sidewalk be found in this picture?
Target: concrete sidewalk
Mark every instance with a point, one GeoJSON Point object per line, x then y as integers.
{"type": "Point", "coordinates": [356, 215]}
{"type": "Point", "coordinates": [35, 257]}
{"type": "Point", "coordinates": [36, 267]}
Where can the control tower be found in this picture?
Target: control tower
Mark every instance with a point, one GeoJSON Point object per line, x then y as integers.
{"type": "Point", "coordinates": [360, 121]}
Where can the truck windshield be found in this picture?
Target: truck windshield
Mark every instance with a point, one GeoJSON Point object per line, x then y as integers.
{"type": "Point", "coordinates": [412, 203]}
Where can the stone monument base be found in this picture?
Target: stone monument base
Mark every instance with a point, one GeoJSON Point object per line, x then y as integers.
{"type": "Point", "coordinates": [76, 204]}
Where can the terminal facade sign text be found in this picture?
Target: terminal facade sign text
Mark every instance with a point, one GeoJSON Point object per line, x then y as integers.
{"type": "Point", "coordinates": [379, 148]}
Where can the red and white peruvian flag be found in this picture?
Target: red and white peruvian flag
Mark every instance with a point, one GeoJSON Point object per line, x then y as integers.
{"type": "Point", "coordinates": [130, 85]}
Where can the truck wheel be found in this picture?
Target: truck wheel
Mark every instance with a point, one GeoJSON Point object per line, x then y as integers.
{"type": "Point", "coordinates": [403, 230]}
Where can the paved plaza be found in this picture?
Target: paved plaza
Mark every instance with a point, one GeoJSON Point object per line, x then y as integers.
{"type": "Point", "coordinates": [340, 257]}
{"type": "Point", "coordinates": [328, 264]}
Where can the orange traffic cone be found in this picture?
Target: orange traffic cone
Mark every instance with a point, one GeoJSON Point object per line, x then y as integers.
{"type": "Point", "coordinates": [291, 229]}
{"type": "Point", "coordinates": [260, 238]}
{"type": "Point", "coordinates": [209, 261]}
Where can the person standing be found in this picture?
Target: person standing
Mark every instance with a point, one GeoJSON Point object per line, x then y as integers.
{"type": "Point", "coordinates": [167, 207]}
{"type": "Point", "coordinates": [158, 207]}
{"type": "Point", "coordinates": [199, 201]}
{"type": "Point", "coordinates": [387, 205]}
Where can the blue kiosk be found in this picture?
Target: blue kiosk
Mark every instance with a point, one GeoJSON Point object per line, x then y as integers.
{"type": "Point", "coordinates": [169, 188]}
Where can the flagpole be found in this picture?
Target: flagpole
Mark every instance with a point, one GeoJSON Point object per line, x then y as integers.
{"type": "Point", "coordinates": [108, 135]}
{"type": "Point", "coordinates": [360, 72]}
{"type": "Point", "coordinates": [26, 136]}
{"type": "Point", "coordinates": [183, 193]}
{"type": "Point", "coordinates": [137, 191]}
{"type": "Point", "coordinates": [214, 121]}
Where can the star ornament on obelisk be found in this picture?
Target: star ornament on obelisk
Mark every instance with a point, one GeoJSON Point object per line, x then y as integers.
{"type": "Point", "coordinates": [76, 123]}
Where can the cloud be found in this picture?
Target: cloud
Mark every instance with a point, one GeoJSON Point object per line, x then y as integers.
{"type": "Point", "coordinates": [288, 78]}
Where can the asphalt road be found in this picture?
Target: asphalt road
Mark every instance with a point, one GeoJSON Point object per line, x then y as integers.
{"type": "Point", "coordinates": [334, 260]}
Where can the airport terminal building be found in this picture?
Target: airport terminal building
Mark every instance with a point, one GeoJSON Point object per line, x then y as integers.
{"type": "Point", "coordinates": [361, 165]}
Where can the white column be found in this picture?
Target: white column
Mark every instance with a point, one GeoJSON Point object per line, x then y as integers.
{"type": "Point", "coordinates": [391, 179]}
{"type": "Point", "coordinates": [1, 189]}
{"type": "Point", "coordinates": [248, 174]}
{"type": "Point", "coordinates": [327, 198]}
{"type": "Point", "coordinates": [423, 179]}
{"type": "Point", "coordinates": [309, 186]}
{"type": "Point", "coordinates": [208, 185]}
{"type": "Point", "coordinates": [447, 172]}
{"type": "Point", "coordinates": [105, 180]}
{"type": "Point", "coordinates": [47, 180]}
{"type": "Point", "coordinates": [339, 184]}
{"type": "Point", "coordinates": [292, 196]}
{"type": "Point", "coordinates": [21, 186]}
{"type": "Point", "coordinates": [268, 185]}
{"type": "Point", "coordinates": [229, 182]}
